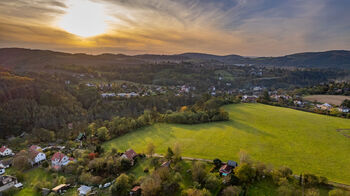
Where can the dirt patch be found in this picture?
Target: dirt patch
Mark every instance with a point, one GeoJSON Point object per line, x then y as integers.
{"type": "Point", "coordinates": [332, 99]}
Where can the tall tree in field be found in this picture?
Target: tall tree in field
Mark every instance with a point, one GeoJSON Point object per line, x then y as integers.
{"type": "Point", "coordinates": [150, 149]}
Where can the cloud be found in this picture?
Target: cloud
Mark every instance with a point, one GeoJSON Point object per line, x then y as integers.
{"type": "Point", "coordinates": [246, 27]}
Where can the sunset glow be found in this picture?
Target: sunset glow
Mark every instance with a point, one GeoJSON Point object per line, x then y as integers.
{"type": "Point", "coordinates": [249, 28]}
{"type": "Point", "coordinates": [84, 18]}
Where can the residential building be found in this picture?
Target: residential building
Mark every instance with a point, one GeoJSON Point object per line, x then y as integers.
{"type": "Point", "coordinates": [84, 190]}
{"type": "Point", "coordinates": [227, 168]}
{"type": "Point", "coordinates": [7, 182]}
{"type": "Point", "coordinates": [59, 159]}
{"type": "Point", "coordinates": [36, 157]}
{"type": "Point", "coordinates": [130, 155]}
{"type": "Point", "coordinates": [4, 151]}
{"type": "Point", "coordinates": [2, 170]}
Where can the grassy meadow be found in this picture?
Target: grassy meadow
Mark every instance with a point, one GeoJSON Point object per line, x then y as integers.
{"type": "Point", "coordinates": [305, 142]}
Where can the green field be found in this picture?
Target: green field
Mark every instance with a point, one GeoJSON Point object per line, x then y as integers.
{"type": "Point", "coordinates": [305, 142]}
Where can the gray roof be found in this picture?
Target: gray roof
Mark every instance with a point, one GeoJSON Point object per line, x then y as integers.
{"type": "Point", "coordinates": [232, 163]}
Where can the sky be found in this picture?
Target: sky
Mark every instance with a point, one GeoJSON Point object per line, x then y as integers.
{"type": "Point", "coordinates": [244, 27]}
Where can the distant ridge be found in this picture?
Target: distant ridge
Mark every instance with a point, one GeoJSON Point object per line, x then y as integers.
{"type": "Point", "coordinates": [29, 58]}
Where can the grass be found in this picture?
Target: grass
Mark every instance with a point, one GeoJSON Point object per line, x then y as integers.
{"type": "Point", "coordinates": [332, 99]}
{"type": "Point", "coordinates": [34, 176]}
{"type": "Point", "coordinates": [305, 142]}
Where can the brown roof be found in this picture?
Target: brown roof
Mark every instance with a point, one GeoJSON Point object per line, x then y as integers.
{"type": "Point", "coordinates": [130, 154]}
{"type": "Point", "coordinates": [33, 154]}
{"type": "Point", "coordinates": [61, 186]}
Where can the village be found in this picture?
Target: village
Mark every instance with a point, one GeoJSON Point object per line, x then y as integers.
{"type": "Point", "coordinates": [38, 157]}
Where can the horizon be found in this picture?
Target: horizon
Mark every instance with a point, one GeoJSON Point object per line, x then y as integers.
{"type": "Point", "coordinates": [171, 54]}
{"type": "Point", "coordinates": [247, 28]}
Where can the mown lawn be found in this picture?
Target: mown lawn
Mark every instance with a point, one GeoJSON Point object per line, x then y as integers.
{"type": "Point", "coordinates": [305, 142]}
{"type": "Point", "coordinates": [33, 177]}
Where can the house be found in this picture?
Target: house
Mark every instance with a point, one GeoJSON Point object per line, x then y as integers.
{"type": "Point", "coordinates": [324, 106]}
{"type": "Point", "coordinates": [6, 163]}
{"type": "Point", "coordinates": [61, 188]}
{"type": "Point", "coordinates": [2, 170]}
{"type": "Point", "coordinates": [81, 137]}
{"type": "Point", "coordinates": [228, 167]}
{"type": "Point", "coordinates": [298, 103]}
{"type": "Point", "coordinates": [135, 191]}
{"type": "Point", "coordinates": [35, 147]}
{"type": "Point", "coordinates": [106, 95]}
{"type": "Point", "coordinates": [249, 99]}
{"type": "Point", "coordinates": [4, 151]}
{"type": "Point", "coordinates": [59, 159]}
{"type": "Point", "coordinates": [7, 182]}
{"type": "Point", "coordinates": [36, 156]}
{"type": "Point", "coordinates": [130, 155]}
{"type": "Point", "coordinates": [84, 190]}
{"type": "Point", "coordinates": [344, 110]}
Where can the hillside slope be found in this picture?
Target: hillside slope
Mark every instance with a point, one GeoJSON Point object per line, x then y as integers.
{"type": "Point", "coordinates": [305, 142]}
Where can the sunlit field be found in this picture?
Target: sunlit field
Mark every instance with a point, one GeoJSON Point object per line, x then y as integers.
{"type": "Point", "coordinates": [305, 142]}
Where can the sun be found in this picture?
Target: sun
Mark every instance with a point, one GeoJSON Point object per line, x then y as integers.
{"type": "Point", "coordinates": [84, 18]}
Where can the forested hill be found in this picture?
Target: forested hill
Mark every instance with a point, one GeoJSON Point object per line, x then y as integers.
{"type": "Point", "coordinates": [26, 58]}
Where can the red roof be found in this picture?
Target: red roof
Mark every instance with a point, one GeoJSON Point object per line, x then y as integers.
{"type": "Point", "coordinates": [58, 155]}
{"type": "Point", "coordinates": [226, 169]}
{"type": "Point", "coordinates": [3, 148]}
{"type": "Point", "coordinates": [135, 189]}
{"type": "Point", "coordinates": [34, 147]}
{"type": "Point", "coordinates": [130, 154]}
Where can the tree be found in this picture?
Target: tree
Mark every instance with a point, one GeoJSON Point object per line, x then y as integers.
{"type": "Point", "coordinates": [198, 172]}
{"type": "Point", "coordinates": [169, 155]}
{"type": "Point", "coordinates": [177, 152]}
{"type": "Point", "coordinates": [245, 173]}
{"type": "Point", "coordinates": [121, 186]}
{"type": "Point", "coordinates": [346, 103]}
{"type": "Point", "coordinates": [151, 186]}
{"type": "Point", "coordinates": [338, 192]}
{"type": "Point", "coordinates": [20, 162]}
{"type": "Point", "coordinates": [150, 149]}
{"type": "Point", "coordinates": [212, 182]}
{"type": "Point", "coordinates": [217, 163]}
{"type": "Point", "coordinates": [244, 157]}
{"type": "Point", "coordinates": [103, 134]}
{"type": "Point", "coordinates": [232, 191]}
{"type": "Point", "coordinates": [197, 192]}
{"type": "Point", "coordinates": [312, 192]}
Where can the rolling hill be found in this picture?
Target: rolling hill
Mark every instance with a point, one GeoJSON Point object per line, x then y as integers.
{"type": "Point", "coordinates": [305, 142]}
{"type": "Point", "coordinates": [27, 58]}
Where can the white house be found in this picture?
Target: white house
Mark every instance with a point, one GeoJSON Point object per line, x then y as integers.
{"type": "Point", "coordinates": [59, 159]}
{"type": "Point", "coordinates": [345, 110]}
{"type": "Point", "coordinates": [84, 190]}
{"type": "Point", "coordinates": [36, 156]}
{"type": "Point", "coordinates": [4, 151]}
